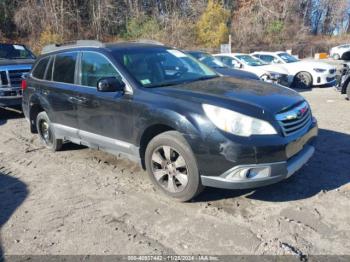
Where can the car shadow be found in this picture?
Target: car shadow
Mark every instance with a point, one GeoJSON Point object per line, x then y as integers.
{"type": "Point", "coordinates": [10, 113]}
{"type": "Point", "coordinates": [12, 194]}
{"type": "Point", "coordinates": [327, 170]}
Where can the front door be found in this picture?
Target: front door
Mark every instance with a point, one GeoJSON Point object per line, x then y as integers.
{"type": "Point", "coordinates": [105, 119]}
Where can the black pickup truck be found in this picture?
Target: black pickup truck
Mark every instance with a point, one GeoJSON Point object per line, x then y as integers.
{"type": "Point", "coordinates": [15, 61]}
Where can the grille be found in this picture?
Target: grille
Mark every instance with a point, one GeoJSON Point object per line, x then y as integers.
{"type": "Point", "coordinates": [3, 77]}
{"type": "Point", "coordinates": [329, 79]}
{"type": "Point", "coordinates": [332, 71]}
{"type": "Point", "coordinates": [283, 80]}
{"type": "Point", "coordinates": [295, 120]}
{"type": "Point", "coordinates": [16, 76]}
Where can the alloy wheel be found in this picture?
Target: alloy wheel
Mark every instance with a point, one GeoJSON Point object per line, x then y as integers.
{"type": "Point", "coordinates": [169, 169]}
{"type": "Point", "coordinates": [45, 132]}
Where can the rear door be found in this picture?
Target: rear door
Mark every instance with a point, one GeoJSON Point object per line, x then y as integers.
{"type": "Point", "coordinates": [60, 91]}
{"type": "Point", "coordinates": [105, 119]}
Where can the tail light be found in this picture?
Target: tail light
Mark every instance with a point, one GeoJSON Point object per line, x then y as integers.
{"type": "Point", "coordinates": [24, 84]}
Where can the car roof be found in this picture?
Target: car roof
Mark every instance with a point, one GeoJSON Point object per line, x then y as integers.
{"type": "Point", "coordinates": [269, 53]}
{"type": "Point", "coordinates": [101, 46]}
{"type": "Point", "coordinates": [133, 45]}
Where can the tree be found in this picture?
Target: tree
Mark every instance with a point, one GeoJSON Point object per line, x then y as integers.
{"type": "Point", "coordinates": [212, 26]}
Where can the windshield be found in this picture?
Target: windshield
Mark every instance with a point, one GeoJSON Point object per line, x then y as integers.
{"type": "Point", "coordinates": [287, 58]}
{"type": "Point", "coordinates": [208, 60]}
{"type": "Point", "coordinates": [155, 67]}
{"type": "Point", "coordinates": [8, 51]}
{"type": "Point", "coordinates": [250, 60]}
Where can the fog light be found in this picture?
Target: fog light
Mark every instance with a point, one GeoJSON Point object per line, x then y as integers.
{"type": "Point", "coordinates": [259, 172]}
{"type": "Point", "coordinates": [249, 173]}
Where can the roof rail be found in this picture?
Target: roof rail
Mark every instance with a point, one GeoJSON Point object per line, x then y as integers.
{"type": "Point", "coordinates": [148, 41]}
{"type": "Point", "coordinates": [78, 43]}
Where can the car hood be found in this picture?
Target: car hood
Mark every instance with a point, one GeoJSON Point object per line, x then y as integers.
{"type": "Point", "coordinates": [309, 65]}
{"type": "Point", "coordinates": [258, 70]}
{"type": "Point", "coordinates": [237, 94]}
{"type": "Point", "coordinates": [226, 71]}
{"type": "Point", "coordinates": [5, 62]}
{"type": "Point", "coordinates": [275, 69]}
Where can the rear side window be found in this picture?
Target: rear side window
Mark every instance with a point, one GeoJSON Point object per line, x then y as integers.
{"type": "Point", "coordinates": [64, 69]}
{"type": "Point", "coordinates": [267, 58]}
{"type": "Point", "coordinates": [48, 75]}
{"type": "Point", "coordinates": [94, 67]}
{"type": "Point", "coordinates": [39, 70]}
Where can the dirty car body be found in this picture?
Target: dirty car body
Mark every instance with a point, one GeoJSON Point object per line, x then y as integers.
{"type": "Point", "coordinates": [126, 121]}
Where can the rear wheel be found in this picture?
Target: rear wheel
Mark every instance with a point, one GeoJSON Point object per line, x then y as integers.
{"type": "Point", "coordinates": [46, 132]}
{"type": "Point", "coordinates": [172, 166]}
{"type": "Point", "coordinates": [303, 80]}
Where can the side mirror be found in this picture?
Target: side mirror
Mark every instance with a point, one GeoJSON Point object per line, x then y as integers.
{"type": "Point", "coordinates": [110, 84]}
{"type": "Point", "coordinates": [236, 64]}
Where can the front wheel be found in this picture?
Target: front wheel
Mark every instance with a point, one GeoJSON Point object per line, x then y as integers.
{"type": "Point", "coordinates": [172, 166]}
{"type": "Point", "coordinates": [336, 56]}
{"type": "Point", "coordinates": [46, 132]}
{"type": "Point", "coordinates": [303, 80]}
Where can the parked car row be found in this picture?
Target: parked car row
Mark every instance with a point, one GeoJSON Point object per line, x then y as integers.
{"type": "Point", "coordinates": [188, 125]}
{"type": "Point", "coordinates": [274, 67]}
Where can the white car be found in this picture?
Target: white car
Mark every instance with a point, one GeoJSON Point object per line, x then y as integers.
{"type": "Point", "coordinates": [246, 62]}
{"type": "Point", "coordinates": [304, 74]}
{"type": "Point", "coordinates": [339, 51]}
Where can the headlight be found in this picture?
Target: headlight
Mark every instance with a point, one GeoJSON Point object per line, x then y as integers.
{"type": "Point", "coordinates": [265, 77]}
{"type": "Point", "coordinates": [320, 70]}
{"type": "Point", "coordinates": [275, 76]}
{"type": "Point", "coordinates": [236, 123]}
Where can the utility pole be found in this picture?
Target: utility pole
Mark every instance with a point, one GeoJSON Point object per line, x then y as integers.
{"type": "Point", "coordinates": [230, 42]}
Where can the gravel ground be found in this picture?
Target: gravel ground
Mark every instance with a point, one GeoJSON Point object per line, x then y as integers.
{"type": "Point", "coordinates": [82, 201]}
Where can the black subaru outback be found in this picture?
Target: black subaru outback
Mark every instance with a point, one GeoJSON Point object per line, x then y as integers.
{"type": "Point", "coordinates": [187, 126]}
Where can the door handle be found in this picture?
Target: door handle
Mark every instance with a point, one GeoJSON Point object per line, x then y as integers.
{"type": "Point", "coordinates": [79, 100]}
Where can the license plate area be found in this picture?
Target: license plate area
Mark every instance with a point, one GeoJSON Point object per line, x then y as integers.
{"type": "Point", "coordinates": [296, 146]}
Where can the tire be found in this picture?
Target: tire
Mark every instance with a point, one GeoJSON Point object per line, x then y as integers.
{"type": "Point", "coordinates": [46, 132]}
{"type": "Point", "coordinates": [172, 167]}
{"type": "Point", "coordinates": [348, 92]}
{"type": "Point", "coordinates": [336, 56]}
{"type": "Point", "coordinates": [303, 80]}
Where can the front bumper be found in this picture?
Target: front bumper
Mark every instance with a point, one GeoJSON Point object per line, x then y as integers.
{"type": "Point", "coordinates": [6, 101]}
{"type": "Point", "coordinates": [277, 172]}
{"type": "Point", "coordinates": [10, 96]}
{"type": "Point", "coordinates": [220, 155]}
{"type": "Point", "coordinates": [324, 79]}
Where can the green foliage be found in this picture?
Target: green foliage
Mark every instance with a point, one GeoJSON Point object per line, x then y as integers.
{"type": "Point", "coordinates": [143, 27]}
{"type": "Point", "coordinates": [212, 27]}
{"type": "Point", "coordinates": [276, 27]}
{"type": "Point", "coordinates": [275, 30]}
{"type": "Point", "coordinates": [47, 37]}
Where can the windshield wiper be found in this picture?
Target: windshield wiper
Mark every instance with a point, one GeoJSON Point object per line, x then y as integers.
{"type": "Point", "coordinates": [182, 82]}
{"type": "Point", "coordinates": [19, 57]}
{"type": "Point", "coordinates": [205, 78]}
{"type": "Point", "coordinates": [165, 84]}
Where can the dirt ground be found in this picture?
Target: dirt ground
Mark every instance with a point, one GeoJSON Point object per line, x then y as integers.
{"type": "Point", "coordinates": [82, 201]}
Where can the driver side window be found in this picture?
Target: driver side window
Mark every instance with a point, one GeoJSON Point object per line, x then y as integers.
{"type": "Point", "coordinates": [94, 67]}
{"type": "Point", "coordinates": [229, 61]}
